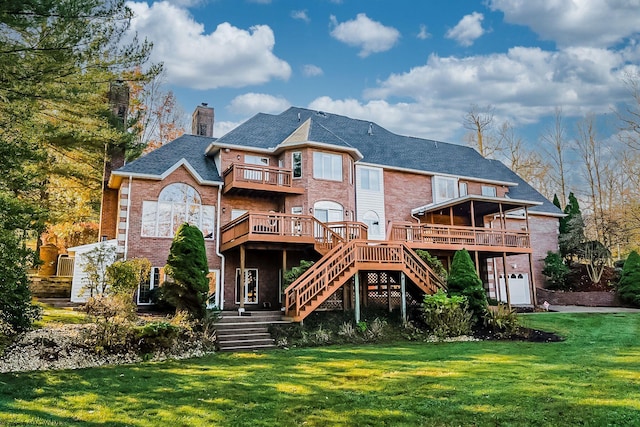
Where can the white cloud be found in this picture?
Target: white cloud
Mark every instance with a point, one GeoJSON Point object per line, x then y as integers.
{"type": "Point", "coordinates": [579, 22]}
{"type": "Point", "coordinates": [249, 104]}
{"type": "Point", "coordinates": [467, 30]}
{"type": "Point", "coordinates": [411, 119]}
{"type": "Point", "coordinates": [423, 34]}
{"type": "Point", "coordinates": [370, 36]}
{"type": "Point", "coordinates": [227, 57]}
{"type": "Point", "coordinates": [301, 15]}
{"type": "Point", "coordinates": [223, 127]}
{"type": "Point", "coordinates": [311, 70]}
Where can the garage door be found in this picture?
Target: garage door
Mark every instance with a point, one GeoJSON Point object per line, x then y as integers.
{"type": "Point", "coordinates": [519, 290]}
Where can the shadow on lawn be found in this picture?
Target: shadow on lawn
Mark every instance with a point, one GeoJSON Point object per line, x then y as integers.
{"type": "Point", "coordinates": [496, 382]}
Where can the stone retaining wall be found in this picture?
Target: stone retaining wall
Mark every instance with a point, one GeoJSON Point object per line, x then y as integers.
{"type": "Point", "coordinates": [50, 287]}
{"type": "Point", "coordinates": [589, 299]}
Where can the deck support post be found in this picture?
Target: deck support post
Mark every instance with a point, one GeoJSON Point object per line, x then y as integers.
{"type": "Point", "coordinates": [532, 282]}
{"type": "Point", "coordinates": [506, 279]}
{"type": "Point", "coordinates": [356, 284]}
{"type": "Point", "coordinates": [284, 269]}
{"type": "Point", "coordinates": [403, 299]}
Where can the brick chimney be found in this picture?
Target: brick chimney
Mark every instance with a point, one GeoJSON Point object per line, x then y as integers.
{"type": "Point", "coordinates": [202, 120]}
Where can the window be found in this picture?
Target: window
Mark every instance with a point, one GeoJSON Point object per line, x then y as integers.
{"type": "Point", "coordinates": [237, 213]}
{"type": "Point", "coordinates": [296, 164]}
{"type": "Point", "coordinates": [488, 191]}
{"type": "Point", "coordinates": [327, 166]}
{"type": "Point", "coordinates": [214, 282]}
{"type": "Point", "coordinates": [444, 188]}
{"type": "Point", "coordinates": [327, 211]}
{"type": "Point", "coordinates": [250, 285]}
{"type": "Point", "coordinates": [156, 276]}
{"type": "Point", "coordinates": [370, 179]}
{"type": "Point", "coordinates": [462, 187]}
{"type": "Point", "coordinates": [258, 173]}
{"type": "Point", "coordinates": [177, 203]}
{"type": "Point", "coordinates": [373, 222]}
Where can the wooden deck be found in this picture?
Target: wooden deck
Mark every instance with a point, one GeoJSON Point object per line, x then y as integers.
{"type": "Point", "coordinates": [452, 238]}
{"type": "Point", "coordinates": [256, 178]}
{"type": "Point", "coordinates": [268, 227]}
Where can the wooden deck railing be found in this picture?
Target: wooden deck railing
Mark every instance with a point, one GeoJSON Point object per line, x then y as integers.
{"type": "Point", "coordinates": [257, 177]}
{"type": "Point", "coordinates": [335, 268]}
{"type": "Point", "coordinates": [279, 227]}
{"type": "Point", "coordinates": [349, 230]}
{"type": "Point", "coordinates": [432, 234]}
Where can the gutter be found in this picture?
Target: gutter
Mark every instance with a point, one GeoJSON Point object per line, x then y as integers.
{"type": "Point", "coordinates": [220, 292]}
{"type": "Point", "coordinates": [126, 233]}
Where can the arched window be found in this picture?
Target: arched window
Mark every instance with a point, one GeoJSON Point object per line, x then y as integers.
{"type": "Point", "coordinates": [327, 211]}
{"type": "Point", "coordinates": [373, 222]}
{"type": "Point", "coordinates": [177, 203]}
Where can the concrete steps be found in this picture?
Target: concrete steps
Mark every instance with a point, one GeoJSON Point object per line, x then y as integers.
{"type": "Point", "coordinates": [249, 332]}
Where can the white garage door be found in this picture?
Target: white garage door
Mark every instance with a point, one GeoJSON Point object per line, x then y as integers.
{"type": "Point", "coordinates": [519, 290]}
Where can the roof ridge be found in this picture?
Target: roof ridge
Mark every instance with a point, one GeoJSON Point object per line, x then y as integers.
{"type": "Point", "coordinates": [333, 133]}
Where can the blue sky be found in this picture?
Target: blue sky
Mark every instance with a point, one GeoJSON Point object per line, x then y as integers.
{"type": "Point", "coordinates": [414, 67]}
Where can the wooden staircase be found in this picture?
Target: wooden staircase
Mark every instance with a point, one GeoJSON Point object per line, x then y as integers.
{"type": "Point", "coordinates": [249, 332]}
{"type": "Point", "coordinates": [344, 260]}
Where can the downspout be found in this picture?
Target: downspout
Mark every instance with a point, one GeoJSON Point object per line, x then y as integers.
{"type": "Point", "coordinates": [126, 233]}
{"type": "Point", "coordinates": [220, 292]}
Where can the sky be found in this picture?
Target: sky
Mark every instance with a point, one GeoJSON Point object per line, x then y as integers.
{"type": "Point", "coordinates": [413, 67]}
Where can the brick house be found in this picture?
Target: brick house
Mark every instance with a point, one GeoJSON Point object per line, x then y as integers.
{"type": "Point", "coordinates": [347, 194]}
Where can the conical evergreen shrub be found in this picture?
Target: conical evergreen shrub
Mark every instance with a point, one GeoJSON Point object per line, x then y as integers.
{"type": "Point", "coordinates": [629, 285]}
{"type": "Point", "coordinates": [187, 266]}
{"type": "Point", "coordinates": [464, 281]}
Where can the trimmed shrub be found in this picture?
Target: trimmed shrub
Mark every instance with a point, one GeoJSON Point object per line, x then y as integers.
{"type": "Point", "coordinates": [629, 285]}
{"type": "Point", "coordinates": [156, 336]}
{"type": "Point", "coordinates": [188, 268]}
{"type": "Point", "coordinates": [446, 316]}
{"type": "Point", "coordinates": [556, 271]}
{"type": "Point", "coordinates": [464, 281]}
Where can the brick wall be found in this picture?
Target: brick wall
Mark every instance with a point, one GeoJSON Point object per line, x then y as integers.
{"type": "Point", "coordinates": [589, 299]}
{"type": "Point", "coordinates": [405, 191]}
{"type": "Point", "coordinates": [156, 249]}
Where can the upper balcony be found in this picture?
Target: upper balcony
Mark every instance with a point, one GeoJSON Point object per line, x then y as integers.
{"type": "Point", "coordinates": [449, 237]}
{"type": "Point", "coordinates": [279, 228]}
{"type": "Point", "coordinates": [243, 177]}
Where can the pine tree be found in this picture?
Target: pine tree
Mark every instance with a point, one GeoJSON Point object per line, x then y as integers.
{"type": "Point", "coordinates": [464, 281]}
{"type": "Point", "coordinates": [188, 268]}
{"type": "Point", "coordinates": [572, 236]}
{"type": "Point", "coordinates": [629, 285]}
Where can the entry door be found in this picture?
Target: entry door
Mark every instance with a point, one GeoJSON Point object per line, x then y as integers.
{"type": "Point", "coordinates": [250, 286]}
{"type": "Point", "coordinates": [256, 175]}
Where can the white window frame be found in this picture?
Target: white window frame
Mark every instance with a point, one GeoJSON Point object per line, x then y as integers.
{"type": "Point", "coordinates": [449, 184]}
{"type": "Point", "coordinates": [247, 271]}
{"type": "Point", "coordinates": [370, 179]}
{"type": "Point", "coordinates": [153, 283]}
{"type": "Point", "coordinates": [327, 166]}
{"type": "Point", "coordinates": [161, 218]}
{"type": "Point", "coordinates": [463, 189]}
{"type": "Point", "coordinates": [489, 191]}
{"type": "Point", "coordinates": [294, 162]}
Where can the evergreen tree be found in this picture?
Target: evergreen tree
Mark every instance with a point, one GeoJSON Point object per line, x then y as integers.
{"type": "Point", "coordinates": [572, 236]}
{"type": "Point", "coordinates": [629, 285]}
{"type": "Point", "coordinates": [464, 281]}
{"type": "Point", "coordinates": [188, 268]}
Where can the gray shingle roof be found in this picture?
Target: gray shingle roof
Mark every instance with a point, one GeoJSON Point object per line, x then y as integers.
{"type": "Point", "coordinates": [376, 144]}
{"type": "Point", "coordinates": [189, 147]}
{"type": "Point", "coordinates": [380, 146]}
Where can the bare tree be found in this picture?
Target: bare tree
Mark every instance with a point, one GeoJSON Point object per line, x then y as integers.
{"type": "Point", "coordinates": [528, 164]}
{"type": "Point", "coordinates": [555, 138]}
{"type": "Point", "coordinates": [479, 122]}
{"type": "Point", "coordinates": [630, 118]}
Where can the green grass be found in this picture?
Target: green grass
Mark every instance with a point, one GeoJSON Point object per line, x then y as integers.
{"type": "Point", "coordinates": [60, 315]}
{"type": "Point", "coordinates": [592, 378]}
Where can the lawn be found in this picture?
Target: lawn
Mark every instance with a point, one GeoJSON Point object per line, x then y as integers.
{"type": "Point", "coordinates": [592, 378]}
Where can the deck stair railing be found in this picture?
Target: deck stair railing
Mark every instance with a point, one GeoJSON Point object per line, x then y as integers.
{"type": "Point", "coordinates": [332, 271]}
